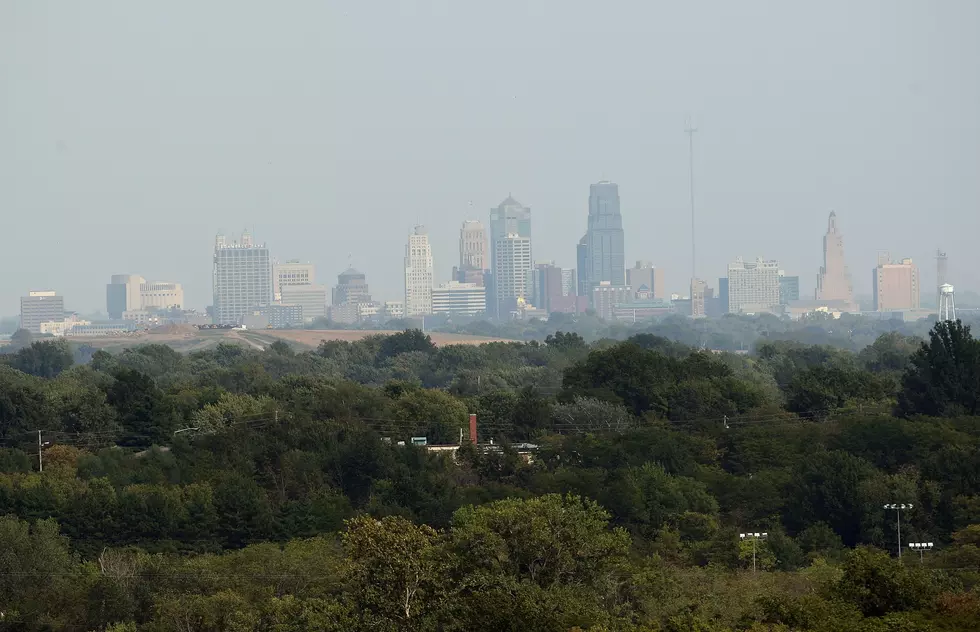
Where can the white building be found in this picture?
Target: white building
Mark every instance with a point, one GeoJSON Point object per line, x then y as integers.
{"type": "Point", "coordinates": [313, 299]}
{"type": "Point", "coordinates": [133, 293]}
{"type": "Point", "coordinates": [291, 273]}
{"type": "Point", "coordinates": [512, 259]}
{"type": "Point", "coordinates": [753, 286]}
{"type": "Point", "coordinates": [418, 274]}
{"type": "Point", "coordinates": [161, 295]}
{"type": "Point", "coordinates": [62, 327]}
{"type": "Point", "coordinates": [459, 298]}
{"type": "Point", "coordinates": [393, 309]}
{"type": "Point", "coordinates": [40, 307]}
{"type": "Point", "coordinates": [242, 279]}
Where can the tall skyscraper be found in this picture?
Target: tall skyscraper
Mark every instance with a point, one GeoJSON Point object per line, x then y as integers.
{"type": "Point", "coordinates": [698, 290]}
{"type": "Point", "coordinates": [606, 260]}
{"type": "Point", "coordinates": [473, 246]}
{"type": "Point", "coordinates": [418, 274]}
{"type": "Point", "coordinates": [834, 279]}
{"type": "Point", "coordinates": [582, 272]}
{"type": "Point", "coordinates": [41, 307]}
{"type": "Point", "coordinates": [242, 279]}
{"type": "Point", "coordinates": [753, 286]}
{"type": "Point", "coordinates": [474, 257]}
{"type": "Point", "coordinates": [896, 285]}
{"type": "Point", "coordinates": [512, 258]}
{"type": "Point", "coordinates": [509, 218]}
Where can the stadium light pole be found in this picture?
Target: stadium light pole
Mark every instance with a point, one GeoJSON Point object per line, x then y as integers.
{"type": "Point", "coordinates": [755, 537]}
{"type": "Point", "coordinates": [921, 547]}
{"type": "Point", "coordinates": [898, 507]}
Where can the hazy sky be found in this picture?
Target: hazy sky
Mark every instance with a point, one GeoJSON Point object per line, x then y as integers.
{"type": "Point", "coordinates": [132, 132]}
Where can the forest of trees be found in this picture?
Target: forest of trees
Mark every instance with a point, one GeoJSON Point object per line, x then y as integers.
{"type": "Point", "coordinates": [238, 489]}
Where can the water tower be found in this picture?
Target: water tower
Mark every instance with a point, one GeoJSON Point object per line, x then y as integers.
{"type": "Point", "coordinates": [947, 309]}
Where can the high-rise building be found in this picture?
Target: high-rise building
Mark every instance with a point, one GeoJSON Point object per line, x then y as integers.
{"type": "Point", "coordinates": [242, 278]}
{"type": "Point", "coordinates": [606, 260]}
{"type": "Point", "coordinates": [582, 271]}
{"type": "Point", "coordinates": [646, 280]}
{"type": "Point", "coordinates": [896, 285]}
{"type": "Point", "coordinates": [474, 258]}
{"type": "Point", "coordinates": [512, 261]}
{"type": "Point", "coordinates": [753, 286]}
{"type": "Point", "coordinates": [606, 296]}
{"type": "Point", "coordinates": [292, 272]}
{"type": "Point", "coordinates": [509, 218]}
{"type": "Point", "coordinates": [459, 299]}
{"type": "Point", "coordinates": [41, 307]}
{"type": "Point", "coordinates": [473, 246]}
{"type": "Point", "coordinates": [789, 288]}
{"type": "Point", "coordinates": [418, 274]}
{"type": "Point", "coordinates": [699, 289]}
{"type": "Point", "coordinates": [548, 286]}
{"type": "Point", "coordinates": [351, 288]}
{"type": "Point", "coordinates": [834, 279]}
{"type": "Point", "coordinates": [122, 294]}
{"type": "Point", "coordinates": [312, 298]}
{"type": "Point", "coordinates": [723, 295]}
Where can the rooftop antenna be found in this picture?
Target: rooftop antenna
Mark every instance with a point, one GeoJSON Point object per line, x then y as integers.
{"type": "Point", "coordinates": [690, 131]}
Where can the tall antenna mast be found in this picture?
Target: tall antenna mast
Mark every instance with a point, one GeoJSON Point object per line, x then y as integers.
{"type": "Point", "coordinates": [691, 129]}
{"type": "Point", "coordinates": [942, 271]}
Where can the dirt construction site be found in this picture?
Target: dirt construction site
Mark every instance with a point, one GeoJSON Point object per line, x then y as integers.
{"type": "Point", "coordinates": [190, 338]}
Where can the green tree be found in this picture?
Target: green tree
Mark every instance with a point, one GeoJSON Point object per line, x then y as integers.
{"type": "Point", "coordinates": [37, 572]}
{"type": "Point", "coordinates": [404, 342]}
{"type": "Point", "coordinates": [879, 585]}
{"type": "Point", "coordinates": [826, 486]}
{"type": "Point", "coordinates": [589, 414]}
{"type": "Point", "coordinates": [548, 540]}
{"type": "Point", "coordinates": [44, 358]}
{"type": "Point", "coordinates": [943, 376]}
{"type": "Point", "coordinates": [394, 570]}
{"type": "Point", "coordinates": [626, 374]}
{"type": "Point", "coordinates": [145, 415]}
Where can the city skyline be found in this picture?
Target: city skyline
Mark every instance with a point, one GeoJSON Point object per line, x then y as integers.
{"type": "Point", "coordinates": [881, 126]}
{"type": "Point", "coordinates": [832, 247]}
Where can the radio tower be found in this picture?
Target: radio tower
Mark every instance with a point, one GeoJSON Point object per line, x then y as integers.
{"type": "Point", "coordinates": [942, 268]}
{"type": "Point", "coordinates": [690, 143]}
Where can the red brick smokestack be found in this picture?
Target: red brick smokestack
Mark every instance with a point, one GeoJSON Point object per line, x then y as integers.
{"type": "Point", "coordinates": [473, 429]}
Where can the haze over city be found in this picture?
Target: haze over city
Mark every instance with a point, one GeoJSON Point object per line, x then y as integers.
{"type": "Point", "coordinates": [131, 134]}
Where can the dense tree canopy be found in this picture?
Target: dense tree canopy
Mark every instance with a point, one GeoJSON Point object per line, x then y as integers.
{"type": "Point", "coordinates": [232, 488]}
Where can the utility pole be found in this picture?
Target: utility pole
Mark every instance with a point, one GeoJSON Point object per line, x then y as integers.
{"type": "Point", "coordinates": [754, 537]}
{"type": "Point", "coordinates": [690, 140]}
{"type": "Point", "coordinates": [898, 507]}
